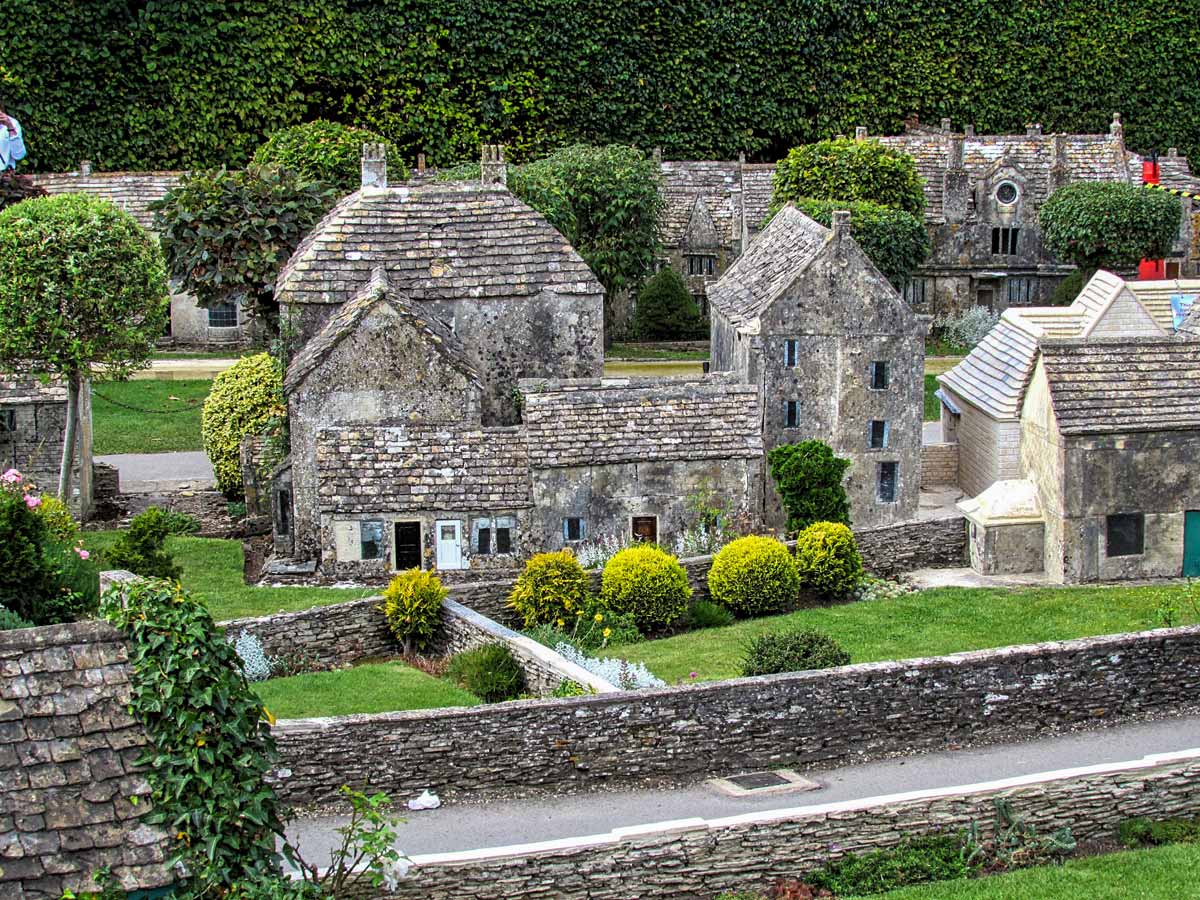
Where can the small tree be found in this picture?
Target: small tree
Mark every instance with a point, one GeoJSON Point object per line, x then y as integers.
{"type": "Point", "coordinates": [1108, 225]}
{"type": "Point", "coordinates": [665, 309]}
{"type": "Point", "coordinates": [849, 170]}
{"type": "Point", "coordinates": [326, 152]}
{"type": "Point", "coordinates": [83, 294]}
{"type": "Point", "coordinates": [809, 479]}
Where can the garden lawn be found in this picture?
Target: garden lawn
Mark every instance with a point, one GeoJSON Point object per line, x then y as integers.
{"type": "Point", "coordinates": [212, 572]}
{"type": "Point", "coordinates": [933, 406]}
{"type": "Point", "coordinates": [173, 424]}
{"type": "Point", "coordinates": [925, 623]}
{"type": "Point", "coordinates": [632, 351]}
{"type": "Point", "coordinates": [1161, 873]}
{"type": "Point", "coordinates": [369, 688]}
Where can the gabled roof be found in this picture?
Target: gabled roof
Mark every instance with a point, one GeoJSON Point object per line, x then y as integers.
{"type": "Point", "coordinates": [789, 243]}
{"type": "Point", "coordinates": [683, 183]}
{"type": "Point", "coordinates": [1112, 387]}
{"type": "Point", "coordinates": [131, 191]}
{"type": "Point", "coordinates": [1156, 296]}
{"type": "Point", "coordinates": [347, 319]}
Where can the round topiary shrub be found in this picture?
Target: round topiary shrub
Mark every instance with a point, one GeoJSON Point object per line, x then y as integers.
{"type": "Point", "coordinates": [827, 559]}
{"type": "Point", "coordinates": [754, 576]}
{"type": "Point", "coordinates": [552, 586]}
{"type": "Point", "coordinates": [489, 672]}
{"type": "Point", "coordinates": [412, 605]}
{"type": "Point", "coordinates": [245, 400]}
{"type": "Point", "coordinates": [792, 651]}
{"type": "Point", "coordinates": [328, 152]}
{"type": "Point", "coordinates": [647, 583]}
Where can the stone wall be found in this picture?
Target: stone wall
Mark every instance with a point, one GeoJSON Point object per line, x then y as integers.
{"type": "Point", "coordinates": [939, 464]}
{"type": "Point", "coordinates": [698, 858]}
{"type": "Point", "coordinates": [931, 544]}
{"type": "Point", "coordinates": [830, 717]}
{"type": "Point", "coordinates": [67, 771]}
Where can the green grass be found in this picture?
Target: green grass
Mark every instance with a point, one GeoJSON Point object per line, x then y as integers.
{"type": "Point", "coordinates": [939, 347]}
{"type": "Point", "coordinates": [925, 623]}
{"type": "Point", "coordinates": [174, 424]}
{"type": "Point", "coordinates": [231, 353]}
{"type": "Point", "coordinates": [369, 688]}
{"type": "Point", "coordinates": [933, 406]}
{"type": "Point", "coordinates": [1162, 873]}
{"type": "Point", "coordinates": [629, 351]}
{"type": "Point", "coordinates": [212, 572]}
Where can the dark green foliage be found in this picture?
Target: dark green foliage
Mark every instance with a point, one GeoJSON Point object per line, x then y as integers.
{"type": "Point", "coordinates": [706, 614]}
{"type": "Point", "coordinates": [916, 861]}
{"type": "Point", "coordinates": [327, 152]}
{"type": "Point", "coordinates": [1142, 832]}
{"type": "Point", "coordinates": [180, 522]}
{"type": "Point", "coordinates": [9, 620]}
{"type": "Point", "coordinates": [894, 240]}
{"type": "Point", "coordinates": [142, 548]}
{"type": "Point", "coordinates": [848, 170]}
{"type": "Point", "coordinates": [808, 478]}
{"type": "Point", "coordinates": [666, 311]}
{"type": "Point", "coordinates": [1068, 289]}
{"type": "Point", "coordinates": [1106, 225]}
{"type": "Point", "coordinates": [489, 672]}
{"type": "Point", "coordinates": [797, 650]}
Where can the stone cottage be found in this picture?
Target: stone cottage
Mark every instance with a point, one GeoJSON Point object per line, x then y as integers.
{"type": "Point", "coordinates": [32, 420]}
{"type": "Point", "coordinates": [835, 355]}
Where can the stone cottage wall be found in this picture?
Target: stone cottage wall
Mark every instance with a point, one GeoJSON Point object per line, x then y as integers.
{"type": "Point", "coordinates": [939, 464]}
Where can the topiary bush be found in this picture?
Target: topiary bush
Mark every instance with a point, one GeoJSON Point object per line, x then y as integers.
{"type": "Point", "coordinates": [754, 576]}
{"type": "Point", "coordinates": [142, 548]}
{"type": "Point", "coordinates": [847, 170]}
{"type": "Point", "coordinates": [327, 152]}
{"type": "Point", "coordinates": [827, 559]}
{"type": "Point", "coordinates": [412, 605]}
{"type": "Point", "coordinates": [792, 651]}
{"type": "Point", "coordinates": [647, 583]}
{"type": "Point", "coordinates": [246, 399]}
{"type": "Point", "coordinates": [489, 672]}
{"type": "Point", "coordinates": [666, 311]}
{"type": "Point", "coordinates": [1109, 225]}
{"type": "Point", "coordinates": [551, 587]}
{"type": "Point", "coordinates": [808, 478]}
{"type": "Point", "coordinates": [894, 240]}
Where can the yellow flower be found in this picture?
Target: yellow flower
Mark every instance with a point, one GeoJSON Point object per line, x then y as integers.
{"type": "Point", "coordinates": [267, 715]}
{"type": "Point", "coordinates": [598, 617]}
{"type": "Point", "coordinates": [567, 604]}
{"type": "Point", "coordinates": [607, 632]}
{"type": "Point", "coordinates": [200, 742]}
{"type": "Point", "coordinates": [561, 623]}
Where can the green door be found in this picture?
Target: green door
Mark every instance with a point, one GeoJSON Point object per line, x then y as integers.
{"type": "Point", "coordinates": [1191, 543]}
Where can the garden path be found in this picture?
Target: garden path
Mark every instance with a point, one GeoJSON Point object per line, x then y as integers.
{"type": "Point", "coordinates": [148, 473]}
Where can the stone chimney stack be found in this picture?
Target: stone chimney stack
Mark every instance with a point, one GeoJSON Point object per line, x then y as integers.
{"type": "Point", "coordinates": [1058, 170]}
{"type": "Point", "coordinates": [946, 125]}
{"type": "Point", "coordinates": [374, 166]}
{"type": "Point", "coordinates": [1033, 129]}
{"type": "Point", "coordinates": [420, 163]}
{"type": "Point", "coordinates": [956, 186]}
{"type": "Point", "coordinates": [841, 224]}
{"type": "Point", "coordinates": [860, 132]}
{"type": "Point", "coordinates": [657, 156]}
{"type": "Point", "coordinates": [737, 217]}
{"type": "Point", "coordinates": [969, 130]}
{"type": "Point", "coordinates": [492, 167]}
{"type": "Point", "coordinates": [85, 167]}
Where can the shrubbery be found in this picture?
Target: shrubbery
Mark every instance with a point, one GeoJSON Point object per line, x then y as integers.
{"type": "Point", "coordinates": [828, 560]}
{"type": "Point", "coordinates": [647, 583]}
{"type": "Point", "coordinates": [808, 478]}
{"type": "Point", "coordinates": [245, 400]}
{"type": "Point", "coordinates": [916, 861]}
{"type": "Point", "coordinates": [706, 614]}
{"type": "Point", "coordinates": [489, 672]}
{"type": "Point", "coordinates": [967, 328]}
{"type": "Point", "coordinates": [792, 651]}
{"type": "Point", "coordinates": [1109, 225]}
{"type": "Point", "coordinates": [754, 576]}
{"type": "Point", "coordinates": [666, 311]}
{"type": "Point", "coordinates": [894, 240]}
{"type": "Point", "coordinates": [142, 548]}
{"type": "Point", "coordinates": [1143, 832]}
{"type": "Point", "coordinates": [551, 587]}
{"type": "Point", "coordinates": [9, 620]}
{"type": "Point", "coordinates": [326, 152]}
{"type": "Point", "coordinates": [849, 170]}
{"type": "Point", "coordinates": [412, 605]}
{"type": "Point", "coordinates": [59, 521]}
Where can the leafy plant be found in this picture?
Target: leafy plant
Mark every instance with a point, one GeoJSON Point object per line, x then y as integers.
{"type": "Point", "coordinates": [706, 614]}
{"type": "Point", "coordinates": [967, 328]}
{"type": "Point", "coordinates": [10, 621]}
{"type": "Point", "coordinates": [754, 576]}
{"type": "Point", "coordinates": [245, 400]}
{"type": "Point", "coordinates": [592, 628]}
{"type": "Point", "coordinates": [827, 559]}
{"type": "Point", "coordinates": [326, 152]}
{"type": "Point", "coordinates": [489, 672]}
{"type": "Point", "coordinates": [1109, 225]}
{"type": "Point", "coordinates": [896, 241]}
{"type": "Point", "coordinates": [412, 605]}
{"type": "Point", "coordinates": [14, 188]}
{"type": "Point", "coordinates": [619, 672]}
{"type": "Point", "coordinates": [849, 170]}
{"type": "Point", "coordinates": [712, 522]}
{"type": "Point", "coordinates": [57, 516]}
{"type": "Point", "coordinates": [808, 478]}
{"type": "Point", "coordinates": [567, 688]}
{"type": "Point", "coordinates": [551, 588]}
{"type": "Point", "coordinates": [797, 650]}
{"type": "Point", "coordinates": [916, 861]}
{"type": "Point", "coordinates": [594, 553]}
{"type": "Point", "coordinates": [180, 523]}
{"type": "Point", "coordinates": [665, 309]}
{"type": "Point", "coordinates": [647, 583]}
{"type": "Point", "coordinates": [1014, 842]}
{"type": "Point", "coordinates": [1143, 832]}
{"type": "Point", "coordinates": [368, 842]}
{"type": "Point", "coordinates": [142, 548]}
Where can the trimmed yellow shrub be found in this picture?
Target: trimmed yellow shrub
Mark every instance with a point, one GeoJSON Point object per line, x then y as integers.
{"type": "Point", "coordinates": [58, 518]}
{"type": "Point", "coordinates": [245, 400]}
{"type": "Point", "coordinates": [647, 583]}
{"type": "Point", "coordinates": [828, 560]}
{"type": "Point", "coordinates": [412, 605]}
{"type": "Point", "coordinates": [754, 576]}
{"type": "Point", "coordinates": [552, 586]}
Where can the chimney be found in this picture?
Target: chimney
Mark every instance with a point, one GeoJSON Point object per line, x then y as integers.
{"type": "Point", "coordinates": [969, 130]}
{"type": "Point", "coordinates": [492, 167]}
{"type": "Point", "coordinates": [741, 158]}
{"type": "Point", "coordinates": [1033, 129]}
{"type": "Point", "coordinates": [658, 156]}
{"type": "Point", "coordinates": [946, 125]}
{"type": "Point", "coordinates": [956, 186]}
{"type": "Point", "coordinates": [420, 163]}
{"type": "Point", "coordinates": [85, 167]}
{"type": "Point", "coordinates": [374, 166]}
{"type": "Point", "coordinates": [841, 224]}
{"type": "Point", "coordinates": [1116, 129]}
{"type": "Point", "coordinates": [860, 132]}
{"type": "Point", "coordinates": [1058, 168]}
{"type": "Point", "coordinates": [737, 216]}
{"type": "Point", "coordinates": [1172, 152]}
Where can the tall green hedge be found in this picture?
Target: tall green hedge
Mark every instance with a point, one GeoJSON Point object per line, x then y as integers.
{"type": "Point", "coordinates": [196, 83]}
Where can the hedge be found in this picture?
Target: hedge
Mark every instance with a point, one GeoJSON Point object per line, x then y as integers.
{"type": "Point", "coordinates": [142, 86]}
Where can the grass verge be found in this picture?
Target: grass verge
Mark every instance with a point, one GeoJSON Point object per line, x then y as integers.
{"type": "Point", "coordinates": [369, 688]}
{"type": "Point", "coordinates": [933, 406]}
{"type": "Point", "coordinates": [636, 351]}
{"type": "Point", "coordinates": [165, 416]}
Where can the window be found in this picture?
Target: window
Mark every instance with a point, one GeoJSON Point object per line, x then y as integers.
{"type": "Point", "coordinates": [8, 421]}
{"type": "Point", "coordinates": [408, 546]}
{"type": "Point", "coordinates": [701, 265]}
{"type": "Point", "coordinates": [1172, 271]}
{"type": "Point", "coordinates": [1004, 241]}
{"type": "Point", "coordinates": [645, 528]}
{"type": "Point", "coordinates": [283, 521]}
{"type": "Point", "coordinates": [223, 315]}
{"type": "Point", "coordinates": [371, 540]}
{"type": "Point", "coordinates": [791, 353]}
{"type": "Point", "coordinates": [503, 539]}
{"type": "Point", "coordinates": [1007, 193]}
{"type": "Point", "coordinates": [483, 540]}
{"type": "Point", "coordinates": [573, 529]}
{"type": "Point", "coordinates": [916, 291]}
{"type": "Point", "coordinates": [1125, 534]}
{"type": "Point", "coordinates": [494, 535]}
{"type": "Point", "coordinates": [887, 482]}
{"type": "Point", "coordinates": [1021, 291]}
{"type": "Point", "coordinates": [791, 414]}
{"type": "Point", "coordinates": [878, 439]}
{"type": "Point", "coordinates": [880, 376]}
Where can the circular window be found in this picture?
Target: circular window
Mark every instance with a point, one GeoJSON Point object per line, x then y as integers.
{"type": "Point", "coordinates": [1007, 192]}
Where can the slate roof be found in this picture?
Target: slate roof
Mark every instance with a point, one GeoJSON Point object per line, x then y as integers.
{"type": "Point", "coordinates": [21, 389]}
{"type": "Point", "coordinates": [131, 191]}
{"type": "Point", "coordinates": [772, 261]}
{"type": "Point", "coordinates": [757, 185]}
{"type": "Point", "coordinates": [682, 183]}
{"type": "Point", "coordinates": [1113, 387]}
{"type": "Point", "coordinates": [372, 469]}
{"type": "Point", "coordinates": [583, 422]}
{"type": "Point", "coordinates": [440, 241]}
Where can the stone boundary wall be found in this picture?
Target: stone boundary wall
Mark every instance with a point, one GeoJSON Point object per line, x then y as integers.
{"type": "Point", "coordinates": [67, 765]}
{"type": "Point", "coordinates": [939, 464]}
{"type": "Point", "coordinates": [696, 858]}
{"type": "Point", "coordinates": [821, 718]}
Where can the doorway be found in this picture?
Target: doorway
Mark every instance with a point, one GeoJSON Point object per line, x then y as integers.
{"type": "Point", "coordinates": [449, 544]}
{"type": "Point", "coordinates": [408, 546]}
{"type": "Point", "coordinates": [1191, 543]}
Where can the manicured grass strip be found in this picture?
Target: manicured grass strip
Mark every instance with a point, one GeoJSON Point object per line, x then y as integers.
{"type": "Point", "coordinates": [925, 623]}
{"type": "Point", "coordinates": [369, 688]}
{"type": "Point", "coordinates": [175, 425]}
{"type": "Point", "coordinates": [212, 572]}
{"type": "Point", "coordinates": [1162, 873]}
{"type": "Point", "coordinates": [629, 351]}
{"type": "Point", "coordinates": [933, 406]}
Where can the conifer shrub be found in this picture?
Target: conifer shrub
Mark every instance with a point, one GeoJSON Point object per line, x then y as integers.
{"type": "Point", "coordinates": [754, 576]}
{"type": "Point", "coordinates": [9, 620]}
{"type": "Point", "coordinates": [665, 309]}
{"type": "Point", "coordinates": [707, 614]}
{"type": "Point", "coordinates": [142, 548]}
{"type": "Point", "coordinates": [551, 587]}
{"type": "Point", "coordinates": [828, 560]}
{"type": "Point", "coordinates": [245, 400]}
{"type": "Point", "coordinates": [808, 477]}
{"type": "Point", "coordinates": [798, 650]}
{"type": "Point", "coordinates": [412, 605]}
{"type": "Point", "coordinates": [647, 583]}
{"type": "Point", "coordinates": [489, 672]}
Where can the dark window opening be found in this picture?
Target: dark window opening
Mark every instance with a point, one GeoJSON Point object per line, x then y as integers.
{"type": "Point", "coordinates": [283, 522]}
{"type": "Point", "coordinates": [1172, 270]}
{"type": "Point", "coordinates": [504, 540]}
{"type": "Point", "coordinates": [702, 265]}
{"type": "Point", "coordinates": [792, 414]}
{"type": "Point", "coordinates": [1004, 241]}
{"type": "Point", "coordinates": [701, 301]}
{"type": "Point", "coordinates": [879, 434]}
{"type": "Point", "coordinates": [916, 291]}
{"type": "Point", "coordinates": [371, 540]}
{"type": "Point", "coordinates": [791, 353]}
{"type": "Point", "coordinates": [408, 545]}
{"type": "Point", "coordinates": [222, 315]}
{"type": "Point", "coordinates": [645, 528]}
{"type": "Point", "coordinates": [880, 377]}
{"type": "Point", "coordinates": [1021, 291]}
{"type": "Point", "coordinates": [1125, 534]}
{"type": "Point", "coordinates": [573, 529]}
{"type": "Point", "coordinates": [484, 543]}
{"type": "Point", "coordinates": [8, 421]}
{"type": "Point", "coordinates": [887, 482]}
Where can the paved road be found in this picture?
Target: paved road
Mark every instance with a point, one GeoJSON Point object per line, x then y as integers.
{"type": "Point", "coordinates": [148, 473]}
{"type": "Point", "coordinates": [501, 823]}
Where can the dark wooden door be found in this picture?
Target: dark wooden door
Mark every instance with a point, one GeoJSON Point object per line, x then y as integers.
{"type": "Point", "coordinates": [408, 545]}
{"type": "Point", "coordinates": [645, 528]}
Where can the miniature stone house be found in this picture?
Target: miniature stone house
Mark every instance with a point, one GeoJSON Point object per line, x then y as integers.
{"type": "Point", "coordinates": [835, 355]}
{"type": "Point", "coordinates": [1006, 529]}
{"type": "Point", "coordinates": [33, 416]}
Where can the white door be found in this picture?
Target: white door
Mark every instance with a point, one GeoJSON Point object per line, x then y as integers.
{"type": "Point", "coordinates": [449, 545]}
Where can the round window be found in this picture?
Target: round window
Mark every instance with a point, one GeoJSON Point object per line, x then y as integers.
{"type": "Point", "coordinates": [1007, 192]}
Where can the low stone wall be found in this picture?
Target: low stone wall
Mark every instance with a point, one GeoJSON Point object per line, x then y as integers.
{"type": "Point", "coordinates": [830, 717]}
{"type": "Point", "coordinates": [695, 858]}
{"type": "Point", "coordinates": [939, 464]}
{"type": "Point", "coordinates": [932, 544]}
{"type": "Point", "coordinates": [67, 770]}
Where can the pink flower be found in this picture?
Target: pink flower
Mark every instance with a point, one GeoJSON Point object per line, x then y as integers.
{"type": "Point", "coordinates": [12, 476]}
{"type": "Point", "coordinates": [83, 554]}
{"type": "Point", "coordinates": [33, 501]}
{"type": "Point", "coordinates": [693, 674]}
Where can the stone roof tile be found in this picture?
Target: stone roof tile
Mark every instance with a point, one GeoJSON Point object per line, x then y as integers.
{"type": "Point", "coordinates": [19, 389]}
{"type": "Point", "coordinates": [131, 191]}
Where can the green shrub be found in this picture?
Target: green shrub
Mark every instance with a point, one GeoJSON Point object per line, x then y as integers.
{"type": "Point", "coordinates": [412, 605]}
{"type": "Point", "coordinates": [246, 399]}
{"type": "Point", "coordinates": [1068, 289]}
{"type": "Point", "coordinates": [180, 523]}
{"type": "Point", "coordinates": [706, 614]}
{"type": "Point", "coordinates": [328, 152]}
{"type": "Point", "coordinates": [916, 861]}
{"type": "Point", "coordinates": [797, 650]}
{"type": "Point", "coordinates": [59, 521]}
{"type": "Point", "coordinates": [592, 629]}
{"type": "Point", "coordinates": [827, 559]}
{"type": "Point", "coordinates": [647, 583]}
{"type": "Point", "coordinates": [849, 170]}
{"type": "Point", "coordinates": [894, 240]}
{"type": "Point", "coordinates": [1143, 832]}
{"type": "Point", "coordinates": [552, 586]}
{"type": "Point", "coordinates": [808, 478]}
{"type": "Point", "coordinates": [666, 311]}
{"type": "Point", "coordinates": [142, 548]}
{"type": "Point", "coordinates": [489, 672]}
{"type": "Point", "coordinates": [1109, 225]}
{"type": "Point", "coordinates": [10, 621]}
{"type": "Point", "coordinates": [754, 576]}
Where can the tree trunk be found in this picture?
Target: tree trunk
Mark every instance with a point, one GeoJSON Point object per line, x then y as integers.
{"type": "Point", "coordinates": [69, 435]}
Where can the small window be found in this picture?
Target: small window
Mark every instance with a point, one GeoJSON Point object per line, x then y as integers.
{"type": "Point", "coordinates": [1172, 271]}
{"type": "Point", "coordinates": [371, 540]}
{"type": "Point", "coordinates": [879, 434]}
{"type": "Point", "coordinates": [483, 542]}
{"type": "Point", "coordinates": [223, 315]}
{"type": "Point", "coordinates": [1007, 193]}
{"type": "Point", "coordinates": [916, 292]}
{"type": "Point", "coordinates": [283, 519]}
{"type": "Point", "coordinates": [1021, 291]}
{"type": "Point", "coordinates": [503, 540]}
{"type": "Point", "coordinates": [1125, 535]}
{"type": "Point", "coordinates": [573, 529]}
{"type": "Point", "coordinates": [880, 376]}
{"type": "Point", "coordinates": [645, 528]}
{"type": "Point", "coordinates": [887, 482]}
{"type": "Point", "coordinates": [8, 421]}
{"type": "Point", "coordinates": [791, 414]}
{"type": "Point", "coordinates": [791, 353]}
{"type": "Point", "coordinates": [1004, 241]}
{"type": "Point", "coordinates": [701, 265]}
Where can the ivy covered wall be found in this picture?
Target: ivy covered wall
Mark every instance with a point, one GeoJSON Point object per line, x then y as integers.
{"type": "Point", "coordinates": [188, 83]}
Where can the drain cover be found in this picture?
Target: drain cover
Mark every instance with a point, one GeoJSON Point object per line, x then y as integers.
{"type": "Point", "coordinates": [772, 782]}
{"type": "Point", "coordinates": [756, 781]}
